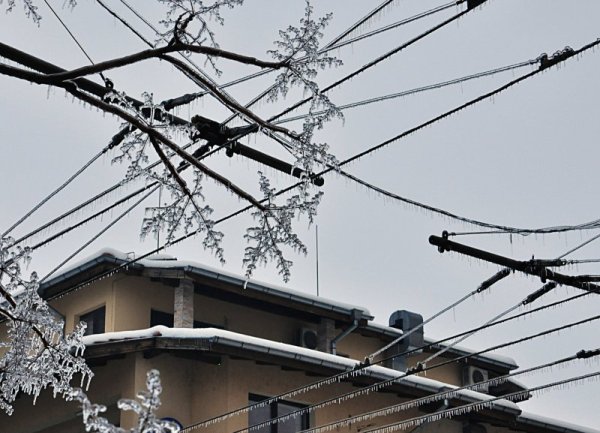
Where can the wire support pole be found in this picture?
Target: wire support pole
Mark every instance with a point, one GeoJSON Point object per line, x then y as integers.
{"type": "Point", "coordinates": [538, 268]}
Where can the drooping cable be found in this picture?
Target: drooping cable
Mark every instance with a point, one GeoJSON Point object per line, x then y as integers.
{"type": "Point", "coordinates": [555, 60]}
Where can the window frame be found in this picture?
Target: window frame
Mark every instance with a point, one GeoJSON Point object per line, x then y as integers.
{"type": "Point", "coordinates": [274, 411]}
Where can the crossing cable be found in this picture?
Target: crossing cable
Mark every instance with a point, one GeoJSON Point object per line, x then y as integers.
{"type": "Point", "coordinates": [342, 375]}
{"type": "Point", "coordinates": [420, 89]}
{"type": "Point", "coordinates": [477, 406]}
{"type": "Point", "coordinates": [74, 38]}
{"type": "Point", "coordinates": [546, 62]}
{"type": "Point", "coordinates": [449, 394]}
{"type": "Point", "coordinates": [363, 366]}
{"type": "Point", "coordinates": [410, 372]}
{"type": "Point", "coordinates": [482, 287]}
{"type": "Point", "coordinates": [333, 45]}
{"type": "Point", "coordinates": [363, 68]}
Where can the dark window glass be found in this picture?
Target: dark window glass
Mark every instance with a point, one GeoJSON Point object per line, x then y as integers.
{"type": "Point", "coordinates": [276, 409]}
{"type": "Point", "coordinates": [166, 319]}
{"type": "Point", "coordinates": [94, 321]}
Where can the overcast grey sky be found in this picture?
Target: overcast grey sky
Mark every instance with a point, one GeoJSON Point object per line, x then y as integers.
{"type": "Point", "coordinates": [526, 158]}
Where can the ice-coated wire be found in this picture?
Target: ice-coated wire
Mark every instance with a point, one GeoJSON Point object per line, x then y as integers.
{"type": "Point", "coordinates": [331, 46]}
{"type": "Point", "coordinates": [452, 393]}
{"type": "Point", "coordinates": [477, 406]}
{"type": "Point", "coordinates": [87, 203]}
{"type": "Point", "coordinates": [100, 233]}
{"type": "Point", "coordinates": [397, 379]}
{"type": "Point", "coordinates": [358, 156]}
{"type": "Point", "coordinates": [375, 61]}
{"type": "Point", "coordinates": [581, 245]}
{"type": "Point", "coordinates": [494, 279]}
{"type": "Point", "coordinates": [73, 37]}
{"type": "Point", "coordinates": [53, 193]}
{"type": "Point", "coordinates": [435, 86]}
{"type": "Point", "coordinates": [361, 367]}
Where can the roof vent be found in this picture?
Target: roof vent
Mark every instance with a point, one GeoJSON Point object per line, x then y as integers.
{"type": "Point", "coordinates": [405, 321]}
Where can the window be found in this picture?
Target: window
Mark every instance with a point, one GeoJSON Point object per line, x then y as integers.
{"type": "Point", "coordinates": [94, 321]}
{"type": "Point", "coordinates": [166, 319]}
{"type": "Point", "coordinates": [276, 409]}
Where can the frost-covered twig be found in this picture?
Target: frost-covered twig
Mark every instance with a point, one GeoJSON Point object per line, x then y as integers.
{"type": "Point", "coordinates": [145, 407]}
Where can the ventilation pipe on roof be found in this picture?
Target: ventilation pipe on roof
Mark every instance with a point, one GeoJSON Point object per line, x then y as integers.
{"type": "Point", "coordinates": [356, 315]}
{"type": "Point", "coordinates": [406, 321]}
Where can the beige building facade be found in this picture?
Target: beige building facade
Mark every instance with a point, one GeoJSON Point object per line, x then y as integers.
{"type": "Point", "coordinates": [221, 343]}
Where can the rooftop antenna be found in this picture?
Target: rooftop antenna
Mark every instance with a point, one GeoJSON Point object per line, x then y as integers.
{"type": "Point", "coordinates": [317, 249]}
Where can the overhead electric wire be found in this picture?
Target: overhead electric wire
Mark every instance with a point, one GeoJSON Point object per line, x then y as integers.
{"type": "Point", "coordinates": [361, 154]}
{"type": "Point", "coordinates": [448, 394]}
{"type": "Point", "coordinates": [97, 235]}
{"type": "Point", "coordinates": [476, 406]}
{"type": "Point", "coordinates": [500, 275]}
{"type": "Point", "coordinates": [361, 367]}
{"type": "Point", "coordinates": [373, 62]}
{"type": "Point", "coordinates": [73, 37]}
{"type": "Point", "coordinates": [581, 245]}
{"type": "Point", "coordinates": [331, 46]}
{"type": "Point", "coordinates": [87, 203]}
{"type": "Point", "coordinates": [53, 193]}
{"type": "Point", "coordinates": [387, 382]}
{"type": "Point", "coordinates": [419, 89]}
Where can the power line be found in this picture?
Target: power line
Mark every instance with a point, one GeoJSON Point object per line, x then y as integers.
{"type": "Point", "coordinates": [100, 233]}
{"type": "Point", "coordinates": [385, 383]}
{"type": "Point", "coordinates": [477, 406]}
{"type": "Point", "coordinates": [482, 287]}
{"type": "Point", "coordinates": [420, 89]}
{"type": "Point", "coordinates": [53, 193]}
{"type": "Point", "coordinates": [554, 60]}
{"type": "Point", "coordinates": [504, 229]}
{"type": "Point", "coordinates": [333, 46]}
{"type": "Point", "coordinates": [581, 245]}
{"type": "Point", "coordinates": [375, 61]}
{"type": "Point", "coordinates": [362, 367]}
{"type": "Point", "coordinates": [452, 393]}
{"type": "Point", "coordinates": [73, 37]}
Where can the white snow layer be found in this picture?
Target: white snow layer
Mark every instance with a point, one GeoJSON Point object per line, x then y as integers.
{"type": "Point", "coordinates": [268, 345]}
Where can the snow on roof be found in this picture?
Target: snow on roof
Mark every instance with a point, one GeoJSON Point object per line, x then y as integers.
{"type": "Point", "coordinates": [495, 358]}
{"type": "Point", "coordinates": [164, 261]}
{"type": "Point", "coordinates": [561, 426]}
{"type": "Point", "coordinates": [246, 341]}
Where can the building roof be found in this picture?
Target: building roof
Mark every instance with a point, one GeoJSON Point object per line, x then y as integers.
{"type": "Point", "coordinates": [212, 339]}
{"type": "Point", "coordinates": [165, 266]}
{"type": "Point", "coordinates": [230, 343]}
